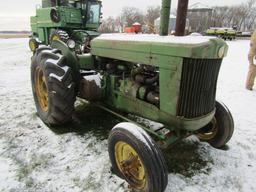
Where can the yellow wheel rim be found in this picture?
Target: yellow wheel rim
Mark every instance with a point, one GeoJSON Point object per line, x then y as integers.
{"type": "Point", "coordinates": [55, 37]}
{"type": "Point", "coordinates": [41, 89]}
{"type": "Point", "coordinates": [210, 132]}
{"type": "Point", "coordinates": [32, 46]}
{"type": "Point", "coordinates": [130, 164]}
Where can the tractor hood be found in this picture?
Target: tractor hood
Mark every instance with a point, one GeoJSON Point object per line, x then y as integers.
{"type": "Point", "coordinates": [142, 48]}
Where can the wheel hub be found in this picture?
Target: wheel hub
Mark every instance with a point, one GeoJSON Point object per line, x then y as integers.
{"type": "Point", "coordinates": [32, 46]}
{"type": "Point", "coordinates": [130, 164]}
{"type": "Point", "coordinates": [56, 37]}
{"type": "Point", "coordinates": [41, 89]}
{"type": "Point", "coordinates": [209, 131]}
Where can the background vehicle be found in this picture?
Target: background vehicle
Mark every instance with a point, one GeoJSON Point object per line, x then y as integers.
{"type": "Point", "coordinates": [168, 79]}
{"type": "Point", "coordinates": [224, 33]}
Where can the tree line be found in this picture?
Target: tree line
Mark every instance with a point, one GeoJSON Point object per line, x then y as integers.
{"type": "Point", "coordinates": [242, 17]}
{"type": "Point", "coordinates": [129, 16]}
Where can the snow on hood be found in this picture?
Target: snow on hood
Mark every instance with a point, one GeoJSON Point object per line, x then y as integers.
{"type": "Point", "coordinates": [155, 38]}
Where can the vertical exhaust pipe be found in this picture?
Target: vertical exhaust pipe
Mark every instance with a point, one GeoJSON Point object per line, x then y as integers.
{"type": "Point", "coordinates": [181, 17]}
{"type": "Point", "coordinates": [165, 17]}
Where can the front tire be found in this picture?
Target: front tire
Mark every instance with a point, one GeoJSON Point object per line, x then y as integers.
{"type": "Point", "coordinates": [137, 158]}
{"type": "Point", "coordinates": [220, 130]}
{"type": "Point", "coordinates": [52, 86]}
{"type": "Point", "coordinates": [33, 44]}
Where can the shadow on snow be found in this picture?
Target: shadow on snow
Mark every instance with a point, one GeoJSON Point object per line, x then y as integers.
{"type": "Point", "coordinates": [185, 158]}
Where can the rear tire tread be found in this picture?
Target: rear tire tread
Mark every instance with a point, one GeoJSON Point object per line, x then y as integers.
{"type": "Point", "coordinates": [61, 89]}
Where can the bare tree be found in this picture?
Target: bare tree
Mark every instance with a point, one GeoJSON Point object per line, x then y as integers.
{"type": "Point", "coordinates": [242, 16]}
{"type": "Point", "coordinates": [131, 15]}
{"type": "Point", "coordinates": [151, 15]}
{"type": "Point", "coordinates": [249, 20]}
{"type": "Point", "coordinates": [108, 25]}
{"type": "Point", "coordinates": [219, 14]}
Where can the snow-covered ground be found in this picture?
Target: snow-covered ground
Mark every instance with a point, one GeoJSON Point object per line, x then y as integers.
{"type": "Point", "coordinates": [74, 158]}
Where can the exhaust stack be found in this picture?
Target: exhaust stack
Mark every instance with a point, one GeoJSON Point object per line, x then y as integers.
{"type": "Point", "coordinates": [181, 17]}
{"type": "Point", "coordinates": [165, 17]}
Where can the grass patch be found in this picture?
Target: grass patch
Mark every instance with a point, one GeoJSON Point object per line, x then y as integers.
{"type": "Point", "coordinates": [25, 169]}
{"type": "Point", "coordinates": [187, 159]}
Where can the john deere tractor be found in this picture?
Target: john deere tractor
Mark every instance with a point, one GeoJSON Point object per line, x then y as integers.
{"type": "Point", "coordinates": [167, 79]}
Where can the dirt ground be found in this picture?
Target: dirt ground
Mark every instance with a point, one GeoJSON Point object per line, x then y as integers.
{"type": "Point", "coordinates": [34, 157]}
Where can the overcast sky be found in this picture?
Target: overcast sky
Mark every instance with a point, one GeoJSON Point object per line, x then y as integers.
{"type": "Point", "coordinates": [25, 8]}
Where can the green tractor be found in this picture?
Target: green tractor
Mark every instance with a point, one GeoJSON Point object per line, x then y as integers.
{"type": "Point", "coordinates": [224, 33]}
{"type": "Point", "coordinates": [168, 79]}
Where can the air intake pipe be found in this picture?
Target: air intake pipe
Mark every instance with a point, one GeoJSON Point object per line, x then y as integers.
{"type": "Point", "coordinates": [180, 19]}
{"type": "Point", "coordinates": [165, 17]}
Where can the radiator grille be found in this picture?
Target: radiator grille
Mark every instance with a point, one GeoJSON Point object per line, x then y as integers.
{"type": "Point", "coordinates": [198, 87]}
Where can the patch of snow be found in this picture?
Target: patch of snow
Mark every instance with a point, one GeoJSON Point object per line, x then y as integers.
{"type": "Point", "coordinates": [136, 23]}
{"type": "Point", "coordinates": [137, 131]}
{"type": "Point", "coordinates": [59, 78]}
{"type": "Point", "coordinates": [7, 176]}
{"type": "Point", "coordinates": [96, 78]}
{"type": "Point", "coordinates": [64, 68]}
{"type": "Point", "coordinates": [155, 38]}
{"type": "Point", "coordinates": [146, 122]}
{"type": "Point", "coordinates": [196, 34]}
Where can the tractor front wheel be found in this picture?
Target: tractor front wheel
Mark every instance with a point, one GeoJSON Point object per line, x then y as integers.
{"type": "Point", "coordinates": [52, 86]}
{"type": "Point", "coordinates": [33, 44]}
{"type": "Point", "coordinates": [136, 158]}
{"type": "Point", "coordinates": [220, 130]}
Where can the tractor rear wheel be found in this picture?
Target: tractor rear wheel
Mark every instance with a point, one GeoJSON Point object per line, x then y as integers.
{"type": "Point", "coordinates": [52, 86]}
{"type": "Point", "coordinates": [136, 158]}
{"type": "Point", "coordinates": [220, 130]}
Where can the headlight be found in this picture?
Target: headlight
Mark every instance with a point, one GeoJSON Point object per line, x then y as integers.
{"type": "Point", "coordinates": [71, 44]}
{"type": "Point", "coordinates": [221, 52]}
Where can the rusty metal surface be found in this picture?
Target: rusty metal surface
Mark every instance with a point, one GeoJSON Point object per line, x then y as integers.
{"type": "Point", "coordinates": [89, 90]}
